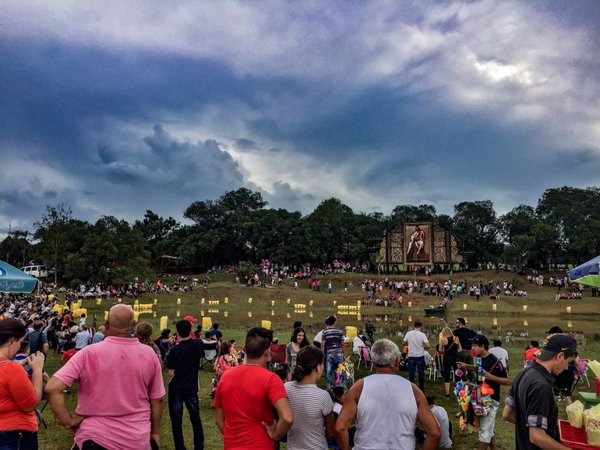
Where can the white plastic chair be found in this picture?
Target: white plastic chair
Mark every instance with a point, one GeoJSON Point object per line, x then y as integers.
{"type": "Point", "coordinates": [431, 367]}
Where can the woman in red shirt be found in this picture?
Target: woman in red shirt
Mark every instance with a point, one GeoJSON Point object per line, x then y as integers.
{"type": "Point", "coordinates": [18, 396]}
{"type": "Point", "coordinates": [529, 355]}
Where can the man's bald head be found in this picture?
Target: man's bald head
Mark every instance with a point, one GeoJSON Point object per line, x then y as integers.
{"type": "Point", "coordinates": [120, 321]}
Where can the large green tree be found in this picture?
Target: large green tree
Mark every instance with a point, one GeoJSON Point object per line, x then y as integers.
{"type": "Point", "coordinates": [276, 234]}
{"type": "Point", "coordinates": [411, 213]}
{"type": "Point", "coordinates": [15, 248]}
{"type": "Point", "coordinates": [53, 231]}
{"type": "Point", "coordinates": [328, 231]}
{"type": "Point", "coordinates": [528, 237]}
{"type": "Point", "coordinates": [111, 252]}
{"type": "Point", "coordinates": [515, 229]}
{"type": "Point", "coordinates": [366, 233]}
{"type": "Point", "coordinates": [155, 229]}
{"type": "Point", "coordinates": [223, 226]}
{"type": "Point", "coordinates": [575, 213]}
{"type": "Point", "coordinates": [476, 227]}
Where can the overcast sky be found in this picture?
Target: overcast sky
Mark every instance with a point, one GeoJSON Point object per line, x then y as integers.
{"type": "Point", "coordinates": [116, 107]}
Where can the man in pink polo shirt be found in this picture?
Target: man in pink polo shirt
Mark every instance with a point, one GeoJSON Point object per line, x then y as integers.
{"type": "Point", "coordinates": [119, 404]}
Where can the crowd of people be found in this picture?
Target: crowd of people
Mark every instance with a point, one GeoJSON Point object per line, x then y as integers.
{"type": "Point", "coordinates": [258, 403]}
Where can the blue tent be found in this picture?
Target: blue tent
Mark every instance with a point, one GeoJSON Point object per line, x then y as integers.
{"type": "Point", "coordinates": [15, 280]}
{"type": "Point", "coordinates": [587, 273]}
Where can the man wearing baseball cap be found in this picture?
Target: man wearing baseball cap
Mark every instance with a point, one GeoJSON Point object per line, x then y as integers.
{"type": "Point", "coordinates": [530, 404]}
{"type": "Point", "coordinates": [554, 329]}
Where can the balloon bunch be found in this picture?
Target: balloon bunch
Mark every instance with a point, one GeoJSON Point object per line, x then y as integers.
{"type": "Point", "coordinates": [481, 399]}
{"type": "Point", "coordinates": [486, 389]}
{"type": "Point", "coordinates": [462, 391]}
{"type": "Point", "coordinates": [344, 374]}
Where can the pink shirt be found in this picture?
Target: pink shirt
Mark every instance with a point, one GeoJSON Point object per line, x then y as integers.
{"type": "Point", "coordinates": [117, 378]}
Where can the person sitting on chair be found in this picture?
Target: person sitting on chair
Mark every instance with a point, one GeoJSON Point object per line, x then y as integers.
{"type": "Point", "coordinates": [445, 425]}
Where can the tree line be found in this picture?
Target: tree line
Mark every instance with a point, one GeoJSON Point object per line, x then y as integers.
{"type": "Point", "coordinates": [564, 227]}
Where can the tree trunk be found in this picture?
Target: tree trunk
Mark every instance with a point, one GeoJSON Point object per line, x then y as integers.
{"type": "Point", "coordinates": [55, 264]}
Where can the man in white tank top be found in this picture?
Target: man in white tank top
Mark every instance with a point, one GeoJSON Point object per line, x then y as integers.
{"type": "Point", "coordinates": [387, 407]}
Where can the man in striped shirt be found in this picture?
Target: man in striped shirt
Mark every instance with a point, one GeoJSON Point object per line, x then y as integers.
{"type": "Point", "coordinates": [332, 341]}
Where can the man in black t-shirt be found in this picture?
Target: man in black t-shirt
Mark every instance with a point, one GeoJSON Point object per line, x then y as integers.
{"type": "Point", "coordinates": [215, 333]}
{"type": "Point", "coordinates": [530, 404]}
{"type": "Point", "coordinates": [495, 375]}
{"type": "Point", "coordinates": [183, 362]}
{"type": "Point", "coordinates": [464, 335]}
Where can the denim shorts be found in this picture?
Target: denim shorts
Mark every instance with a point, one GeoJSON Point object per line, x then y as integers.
{"type": "Point", "coordinates": [487, 424]}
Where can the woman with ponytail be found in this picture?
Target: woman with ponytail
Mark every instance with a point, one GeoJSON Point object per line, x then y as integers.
{"type": "Point", "coordinates": [312, 406]}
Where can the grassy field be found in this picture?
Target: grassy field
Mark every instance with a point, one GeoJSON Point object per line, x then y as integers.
{"type": "Point", "coordinates": [235, 312]}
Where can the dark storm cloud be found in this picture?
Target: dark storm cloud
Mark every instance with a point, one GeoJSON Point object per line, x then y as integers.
{"type": "Point", "coordinates": [245, 144]}
{"type": "Point", "coordinates": [64, 105]}
{"type": "Point", "coordinates": [166, 174]}
{"type": "Point", "coordinates": [284, 196]}
{"type": "Point", "coordinates": [416, 102]}
{"type": "Point", "coordinates": [106, 155]}
{"type": "Point", "coordinates": [51, 89]}
{"type": "Point", "coordinates": [23, 207]}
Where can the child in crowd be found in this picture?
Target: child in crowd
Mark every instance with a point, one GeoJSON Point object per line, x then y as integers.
{"type": "Point", "coordinates": [284, 373]}
{"type": "Point", "coordinates": [338, 395]}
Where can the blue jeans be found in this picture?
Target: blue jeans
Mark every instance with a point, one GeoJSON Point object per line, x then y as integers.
{"type": "Point", "coordinates": [18, 440]}
{"type": "Point", "coordinates": [332, 361]}
{"type": "Point", "coordinates": [176, 402]}
{"type": "Point", "coordinates": [417, 362]}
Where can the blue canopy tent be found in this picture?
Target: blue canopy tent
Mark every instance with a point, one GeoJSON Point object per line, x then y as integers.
{"type": "Point", "coordinates": [15, 280]}
{"type": "Point", "coordinates": [587, 273]}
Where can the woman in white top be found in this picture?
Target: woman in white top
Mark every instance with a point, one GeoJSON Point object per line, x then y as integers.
{"type": "Point", "coordinates": [312, 406]}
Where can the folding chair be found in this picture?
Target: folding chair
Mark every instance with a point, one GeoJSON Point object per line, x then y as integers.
{"type": "Point", "coordinates": [40, 418]}
{"type": "Point", "coordinates": [364, 356]}
{"type": "Point", "coordinates": [211, 349]}
{"type": "Point", "coordinates": [357, 343]}
{"type": "Point", "coordinates": [582, 370]}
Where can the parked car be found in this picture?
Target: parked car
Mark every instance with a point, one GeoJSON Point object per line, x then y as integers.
{"type": "Point", "coordinates": [38, 271]}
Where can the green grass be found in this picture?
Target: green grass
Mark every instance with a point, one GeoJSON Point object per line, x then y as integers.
{"type": "Point", "coordinates": [234, 317]}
